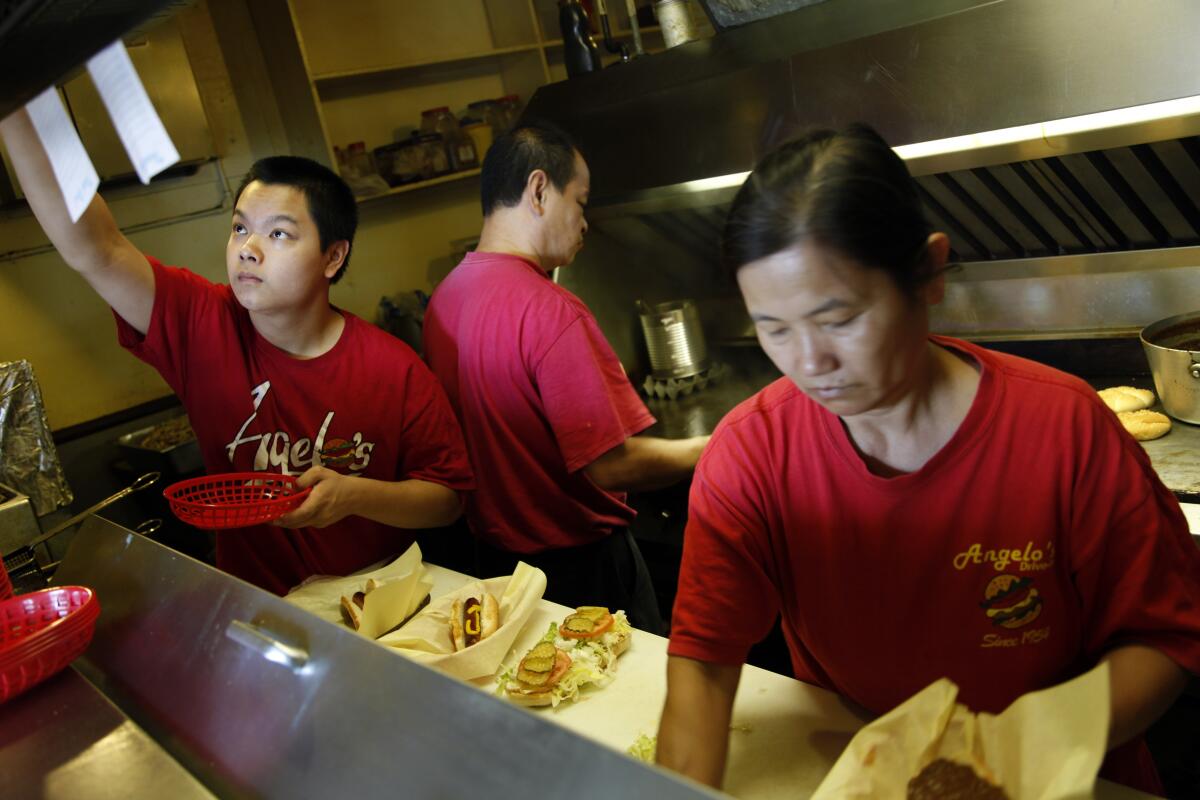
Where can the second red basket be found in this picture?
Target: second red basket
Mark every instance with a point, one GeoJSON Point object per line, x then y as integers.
{"type": "Point", "coordinates": [234, 500]}
{"type": "Point", "coordinates": [41, 632]}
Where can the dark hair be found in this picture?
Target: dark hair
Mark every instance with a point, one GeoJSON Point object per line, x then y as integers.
{"type": "Point", "coordinates": [518, 152]}
{"type": "Point", "coordinates": [330, 201]}
{"type": "Point", "coordinates": [845, 190]}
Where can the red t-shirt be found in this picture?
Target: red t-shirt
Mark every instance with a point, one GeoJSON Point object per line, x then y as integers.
{"type": "Point", "coordinates": [369, 403]}
{"type": "Point", "coordinates": [540, 395]}
{"type": "Point", "coordinates": [1035, 540]}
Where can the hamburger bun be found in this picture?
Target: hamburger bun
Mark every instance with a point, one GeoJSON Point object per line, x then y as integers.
{"type": "Point", "coordinates": [457, 635]}
{"type": "Point", "coordinates": [1145, 425]}
{"type": "Point", "coordinates": [526, 695]}
{"type": "Point", "coordinates": [1127, 398]}
{"type": "Point", "coordinates": [621, 645]}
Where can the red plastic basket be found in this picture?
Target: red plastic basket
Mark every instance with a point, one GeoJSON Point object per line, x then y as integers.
{"type": "Point", "coordinates": [5, 584]}
{"type": "Point", "coordinates": [234, 500]}
{"type": "Point", "coordinates": [41, 632]}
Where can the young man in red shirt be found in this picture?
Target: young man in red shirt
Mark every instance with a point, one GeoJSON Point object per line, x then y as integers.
{"type": "Point", "coordinates": [272, 376]}
{"type": "Point", "coordinates": [547, 411]}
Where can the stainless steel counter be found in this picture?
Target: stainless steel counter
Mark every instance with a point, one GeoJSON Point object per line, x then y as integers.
{"type": "Point", "coordinates": [256, 697]}
{"type": "Point", "coordinates": [63, 739]}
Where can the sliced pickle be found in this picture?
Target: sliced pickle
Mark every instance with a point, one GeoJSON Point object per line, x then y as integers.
{"type": "Point", "coordinates": [542, 650]}
{"type": "Point", "coordinates": [537, 664]}
{"type": "Point", "coordinates": [532, 678]}
{"type": "Point", "coordinates": [578, 624]}
{"type": "Point", "coordinates": [594, 613]}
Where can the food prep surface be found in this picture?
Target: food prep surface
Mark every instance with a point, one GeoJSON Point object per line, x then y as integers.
{"type": "Point", "coordinates": [785, 735]}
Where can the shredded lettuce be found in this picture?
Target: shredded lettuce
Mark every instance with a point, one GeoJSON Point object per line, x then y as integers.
{"type": "Point", "coordinates": [644, 748]}
{"type": "Point", "coordinates": [592, 661]}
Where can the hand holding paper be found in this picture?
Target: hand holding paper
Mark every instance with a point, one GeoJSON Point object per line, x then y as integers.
{"type": "Point", "coordinates": [1047, 745]}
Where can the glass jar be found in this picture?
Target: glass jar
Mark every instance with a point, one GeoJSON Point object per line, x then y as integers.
{"type": "Point", "coordinates": [434, 159]}
{"type": "Point", "coordinates": [463, 153]}
{"type": "Point", "coordinates": [480, 133]}
{"type": "Point", "coordinates": [410, 160]}
{"type": "Point", "coordinates": [460, 150]}
{"type": "Point", "coordinates": [396, 163]}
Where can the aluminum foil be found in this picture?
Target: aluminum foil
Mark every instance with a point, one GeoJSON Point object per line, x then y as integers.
{"type": "Point", "coordinates": [731, 13]}
{"type": "Point", "coordinates": [28, 459]}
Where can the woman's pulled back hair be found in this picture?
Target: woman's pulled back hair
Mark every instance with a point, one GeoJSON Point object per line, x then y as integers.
{"type": "Point", "coordinates": [845, 190]}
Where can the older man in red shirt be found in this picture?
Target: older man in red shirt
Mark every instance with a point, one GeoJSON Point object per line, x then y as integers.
{"type": "Point", "coordinates": [548, 413]}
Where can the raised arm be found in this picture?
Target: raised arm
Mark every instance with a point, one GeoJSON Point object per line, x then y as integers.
{"type": "Point", "coordinates": [693, 735]}
{"type": "Point", "coordinates": [644, 463]}
{"type": "Point", "coordinates": [94, 246]}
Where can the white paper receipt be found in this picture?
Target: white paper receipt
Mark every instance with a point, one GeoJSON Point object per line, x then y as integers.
{"type": "Point", "coordinates": [74, 171]}
{"type": "Point", "coordinates": [146, 141]}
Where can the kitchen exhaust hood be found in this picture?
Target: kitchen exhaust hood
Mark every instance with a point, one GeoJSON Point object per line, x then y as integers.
{"type": "Point", "coordinates": [42, 42]}
{"type": "Point", "coordinates": [1057, 143]}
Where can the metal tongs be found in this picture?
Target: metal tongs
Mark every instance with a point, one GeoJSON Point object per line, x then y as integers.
{"type": "Point", "coordinates": [23, 561]}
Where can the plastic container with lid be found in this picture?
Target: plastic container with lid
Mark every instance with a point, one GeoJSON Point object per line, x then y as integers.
{"type": "Point", "coordinates": [438, 120]}
{"type": "Point", "coordinates": [510, 109]}
{"type": "Point", "coordinates": [358, 161]}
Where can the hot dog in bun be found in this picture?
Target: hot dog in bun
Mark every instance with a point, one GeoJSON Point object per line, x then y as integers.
{"type": "Point", "coordinates": [354, 608]}
{"type": "Point", "coordinates": [473, 619]}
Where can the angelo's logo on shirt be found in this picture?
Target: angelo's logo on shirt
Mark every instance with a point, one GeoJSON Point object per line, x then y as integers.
{"type": "Point", "coordinates": [293, 454]}
{"type": "Point", "coordinates": [1011, 602]}
{"type": "Point", "coordinates": [1031, 558]}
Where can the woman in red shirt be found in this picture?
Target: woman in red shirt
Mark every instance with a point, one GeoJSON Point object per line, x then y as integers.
{"type": "Point", "coordinates": [914, 506]}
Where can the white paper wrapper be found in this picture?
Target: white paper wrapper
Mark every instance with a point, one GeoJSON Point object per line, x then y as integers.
{"type": "Point", "coordinates": [1047, 745]}
{"type": "Point", "coordinates": [426, 638]}
{"type": "Point", "coordinates": [403, 587]}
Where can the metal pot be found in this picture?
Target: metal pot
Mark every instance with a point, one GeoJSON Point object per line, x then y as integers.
{"type": "Point", "coordinates": [674, 338]}
{"type": "Point", "coordinates": [1172, 347]}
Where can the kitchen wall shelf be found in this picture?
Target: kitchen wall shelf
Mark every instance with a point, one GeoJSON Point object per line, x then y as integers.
{"type": "Point", "coordinates": [387, 69]}
{"type": "Point", "coordinates": [413, 187]}
{"type": "Point", "coordinates": [405, 58]}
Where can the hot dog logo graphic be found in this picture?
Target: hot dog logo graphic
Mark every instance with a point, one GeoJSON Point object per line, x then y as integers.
{"type": "Point", "coordinates": [1011, 602]}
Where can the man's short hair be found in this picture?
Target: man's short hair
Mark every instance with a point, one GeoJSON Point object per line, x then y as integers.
{"type": "Point", "coordinates": [331, 203]}
{"type": "Point", "coordinates": [517, 153]}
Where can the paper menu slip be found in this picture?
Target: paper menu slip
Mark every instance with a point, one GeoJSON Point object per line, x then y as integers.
{"type": "Point", "coordinates": [72, 168]}
{"type": "Point", "coordinates": [146, 141]}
